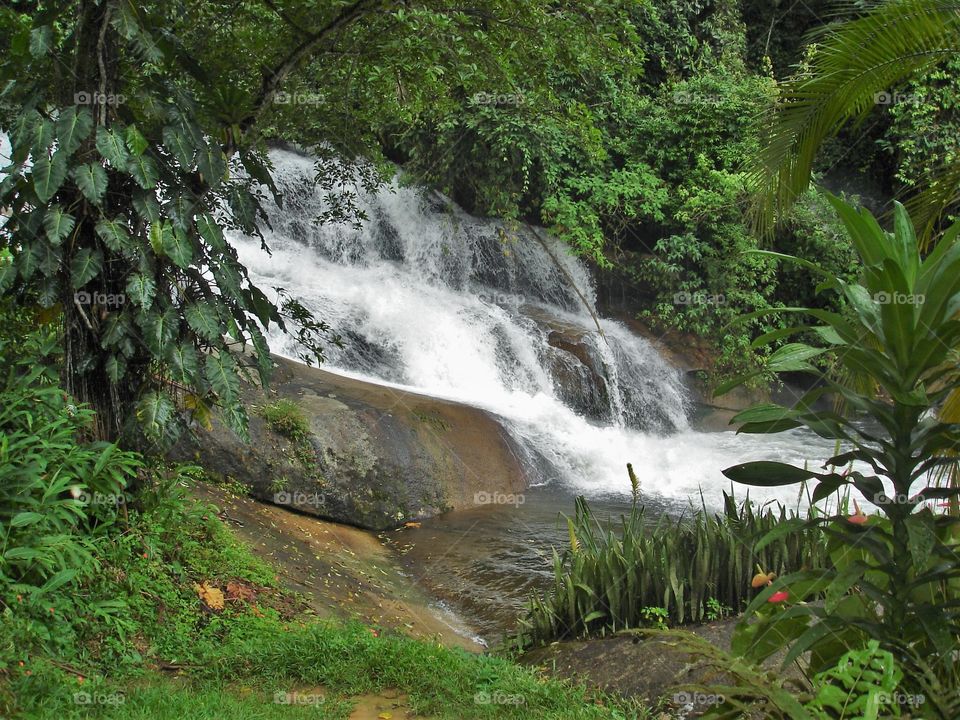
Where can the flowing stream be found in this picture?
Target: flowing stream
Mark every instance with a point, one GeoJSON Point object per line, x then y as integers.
{"type": "Point", "coordinates": [430, 298]}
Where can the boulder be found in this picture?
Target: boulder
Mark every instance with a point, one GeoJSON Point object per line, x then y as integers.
{"type": "Point", "coordinates": [374, 457]}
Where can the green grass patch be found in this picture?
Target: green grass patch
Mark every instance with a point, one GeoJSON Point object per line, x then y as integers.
{"type": "Point", "coordinates": [100, 652]}
{"type": "Point", "coordinates": [286, 418]}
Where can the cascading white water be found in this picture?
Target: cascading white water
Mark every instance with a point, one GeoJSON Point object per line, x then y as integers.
{"type": "Point", "coordinates": [430, 298]}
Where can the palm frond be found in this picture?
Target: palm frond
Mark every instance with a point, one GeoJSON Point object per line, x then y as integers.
{"type": "Point", "coordinates": [856, 60]}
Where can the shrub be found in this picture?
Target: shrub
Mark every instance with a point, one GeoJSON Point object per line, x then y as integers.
{"type": "Point", "coordinates": [893, 576]}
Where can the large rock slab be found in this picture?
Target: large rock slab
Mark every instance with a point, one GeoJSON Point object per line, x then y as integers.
{"type": "Point", "coordinates": [375, 456]}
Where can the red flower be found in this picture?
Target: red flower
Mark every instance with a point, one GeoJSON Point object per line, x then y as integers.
{"type": "Point", "coordinates": [858, 518]}
{"type": "Point", "coordinates": [779, 597]}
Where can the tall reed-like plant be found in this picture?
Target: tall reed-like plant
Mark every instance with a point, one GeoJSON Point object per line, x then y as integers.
{"type": "Point", "coordinates": [611, 574]}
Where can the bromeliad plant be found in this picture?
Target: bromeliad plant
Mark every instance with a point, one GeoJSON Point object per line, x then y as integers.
{"type": "Point", "coordinates": [891, 359]}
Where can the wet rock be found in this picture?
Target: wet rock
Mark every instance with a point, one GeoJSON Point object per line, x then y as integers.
{"type": "Point", "coordinates": [578, 376]}
{"type": "Point", "coordinates": [375, 457]}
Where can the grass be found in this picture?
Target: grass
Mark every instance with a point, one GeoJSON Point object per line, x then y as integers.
{"type": "Point", "coordinates": [231, 662]}
{"type": "Point", "coordinates": [286, 418]}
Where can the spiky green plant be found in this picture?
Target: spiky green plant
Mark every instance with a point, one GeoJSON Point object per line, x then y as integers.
{"type": "Point", "coordinates": [610, 575]}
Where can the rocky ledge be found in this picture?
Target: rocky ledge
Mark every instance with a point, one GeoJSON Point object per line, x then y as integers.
{"type": "Point", "coordinates": [374, 456]}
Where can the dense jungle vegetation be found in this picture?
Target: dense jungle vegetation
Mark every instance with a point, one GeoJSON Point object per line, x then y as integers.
{"type": "Point", "coordinates": [684, 148]}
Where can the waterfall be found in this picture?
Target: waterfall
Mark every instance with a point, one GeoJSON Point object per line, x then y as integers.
{"type": "Point", "coordinates": [428, 297]}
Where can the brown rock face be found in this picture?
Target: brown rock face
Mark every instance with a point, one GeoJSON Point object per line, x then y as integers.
{"type": "Point", "coordinates": [579, 381]}
{"type": "Point", "coordinates": [374, 456]}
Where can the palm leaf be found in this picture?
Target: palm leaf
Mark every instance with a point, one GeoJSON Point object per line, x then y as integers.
{"type": "Point", "coordinates": [855, 61]}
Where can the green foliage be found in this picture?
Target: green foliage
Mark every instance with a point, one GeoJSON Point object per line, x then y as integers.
{"type": "Point", "coordinates": [60, 493]}
{"type": "Point", "coordinates": [922, 137]}
{"type": "Point", "coordinates": [612, 579]}
{"type": "Point", "coordinates": [716, 610]}
{"type": "Point", "coordinates": [861, 685]}
{"type": "Point", "coordinates": [877, 50]}
{"type": "Point", "coordinates": [286, 418]}
{"type": "Point", "coordinates": [894, 576]}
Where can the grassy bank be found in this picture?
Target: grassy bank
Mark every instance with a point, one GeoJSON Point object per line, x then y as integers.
{"type": "Point", "coordinates": [180, 619]}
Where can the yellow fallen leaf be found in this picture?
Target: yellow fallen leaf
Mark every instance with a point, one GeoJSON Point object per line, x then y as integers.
{"type": "Point", "coordinates": [412, 524]}
{"type": "Point", "coordinates": [384, 716]}
{"type": "Point", "coordinates": [211, 596]}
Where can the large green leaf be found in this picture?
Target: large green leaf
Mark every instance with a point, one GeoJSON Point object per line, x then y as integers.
{"type": "Point", "coordinates": [141, 290]}
{"type": "Point", "coordinates": [767, 473]}
{"type": "Point", "coordinates": [48, 175]}
{"type": "Point", "coordinates": [92, 181]}
{"type": "Point", "coordinates": [183, 359]}
{"type": "Point", "coordinates": [793, 357]}
{"type": "Point", "coordinates": [142, 169]}
{"type": "Point", "coordinates": [210, 231]}
{"type": "Point", "coordinates": [177, 247]}
{"type": "Point", "coordinates": [136, 142]}
{"type": "Point", "coordinates": [221, 371]}
{"type": "Point", "coordinates": [113, 234]}
{"type": "Point", "coordinates": [41, 40]}
{"type": "Point", "coordinates": [211, 164]}
{"type": "Point", "coordinates": [159, 329]}
{"type": "Point", "coordinates": [43, 137]}
{"type": "Point", "coordinates": [155, 235]}
{"type": "Point", "coordinates": [180, 147]}
{"type": "Point", "coordinates": [85, 266]}
{"type": "Point", "coordinates": [116, 368]}
{"type": "Point", "coordinates": [155, 411]}
{"type": "Point", "coordinates": [203, 319]}
{"type": "Point", "coordinates": [57, 224]}
{"type": "Point", "coordinates": [147, 206]}
{"type": "Point", "coordinates": [73, 127]}
{"type": "Point", "coordinates": [111, 146]}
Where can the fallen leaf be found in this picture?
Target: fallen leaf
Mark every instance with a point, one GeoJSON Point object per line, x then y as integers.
{"type": "Point", "coordinates": [239, 591]}
{"type": "Point", "coordinates": [211, 596]}
{"type": "Point", "coordinates": [412, 524]}
{"type": "Point", "coordinates": [384, 716]}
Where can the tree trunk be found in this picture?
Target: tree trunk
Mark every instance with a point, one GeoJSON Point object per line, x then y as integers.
{"type": "Point", "coordinates": [84, 373]}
